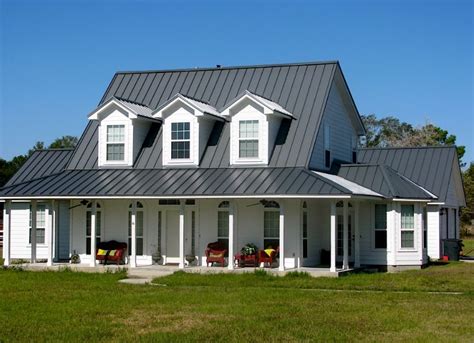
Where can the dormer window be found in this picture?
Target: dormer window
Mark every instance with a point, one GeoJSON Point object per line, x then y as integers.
{"type": "Point", "coordinates": [254, 125]}
{"type": "Point", "coordinates": [180, 140]}
{"type": "Point", "coordinates": [115, 142]}
{"type": "Point", "coordinates": [248, 139]}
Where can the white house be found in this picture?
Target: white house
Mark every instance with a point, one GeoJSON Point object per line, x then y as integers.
{"type": "Point", "coordinates": [171, 161]}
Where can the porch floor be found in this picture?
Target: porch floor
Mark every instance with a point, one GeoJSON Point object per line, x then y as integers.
{"type": "Point", "coordinates": [153, 271]}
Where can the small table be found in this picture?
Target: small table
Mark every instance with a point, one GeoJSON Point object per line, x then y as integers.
{"type": "Point", "coordinates": [245, 260]}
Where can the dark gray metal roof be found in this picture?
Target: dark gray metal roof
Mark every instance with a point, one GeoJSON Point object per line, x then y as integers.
{"type": "Point", "coordinates": [301, 89]}
{"type": "Point", "coordinates": [179, 182]}
{"type": "Point", "coordinates": [429, 167]}
{"type": "Point", "coordinates": [384, 180]}
{"type": "Point", "coordinates": [41, 163]}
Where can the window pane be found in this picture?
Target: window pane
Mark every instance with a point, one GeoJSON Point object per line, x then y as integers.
{"type": "Point", "coordinates": [408, 216]}
{"type": "Point", "coordinates": [88, 223]}
{"type": "Point", "coordinates": [115, 133]}
{"type": "Point", "coordinates": [179, 150]}
{"type": "Point", "coordinates": [115, 152]}
{"type": "Point", "coordinates": [139, 250]}
{"type": "Point", "coordinates": [407, 239]}
{"type": "Point", "coordinates": [222, 224]}
{"type": "Point", "coordinates": [381, 217]}
{"type": "Point", "coordinates": [248, 129]}
{"type": "Point", "coordinates": [305, 224]}
{"type": "Point", "coordinates": [271, 243]}
{"type": "Point", "coordinates": [248, 148]}
{"type": "Point", "coordinates": [88, 245]}
{"type": "Point", "coordinates": [271, 224]}
{"type": "Point", "coordinates": [98, 223]}
{"type": "Point", "coordinates": [139, 224]}
{"type": "Point", "coordinates": [180, 131]}
{"type": "Point", "coordinates": [305, 248]}
{"type": "Point", "coordinates": [380, 239]}
{"type": "Point", "coordinates": [40, 216]}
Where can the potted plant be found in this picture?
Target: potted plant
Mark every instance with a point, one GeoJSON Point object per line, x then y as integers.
{"type": "Point", "coordinates": [75, 258]}
{"type": "Point", "coordinates": [190, 259]}
{"type": "Point", "coordinates": [156, 256]}
{"type": "Point", "coordinates": [249, 249]}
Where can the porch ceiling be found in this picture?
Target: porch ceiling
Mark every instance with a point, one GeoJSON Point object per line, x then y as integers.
{"type": "Point", "coordinates": [180, 182]}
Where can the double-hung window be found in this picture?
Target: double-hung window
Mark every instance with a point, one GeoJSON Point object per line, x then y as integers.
{"type": "Point", "coordinates": [271, 225]}
{"type": "Point", "coordinates": [115, 143]}
{"type": "Point", "coordinates": [380, 226]}
{"type": "Point", "coordinates": [248, 139]}
{"type": "Point", "coordinates": [40, 224]}
{"type": "Point", "coordinates": [180, 140]}
{"type": "Point", "coordinates": [408, 226]}
{"type": "Point", "coordinates": [223, 223]}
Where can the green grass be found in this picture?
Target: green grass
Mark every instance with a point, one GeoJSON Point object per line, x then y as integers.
{"type": "Point", "coordinates": [468, 246]}
{"type": "Point", "coordinates": [73, 307]}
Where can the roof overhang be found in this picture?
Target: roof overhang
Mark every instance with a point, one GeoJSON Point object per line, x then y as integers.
{"type": "Point", "coordinates": [268, 106]}
{"type": "Point", "coordinates": [198, 108]}
{"type": "Point", "coordinates": [131, 110]}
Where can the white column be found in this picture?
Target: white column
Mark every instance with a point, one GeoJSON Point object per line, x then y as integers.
{"type": "Point", "coordinates": [419, 217]}
{"type": "Point", "coordinates": [133, 240]}
{"type": "Point", "coordinates": [93, 232]}
{"type": "Point", "coordinates": [33, 230]}
{"type": "Point", "coordinates": [49, 217]}
{"type": "Point", "coordinates": [230, 262]}
{"type": "Point", "coordinates": [345, 238]}
{"type": "Point", "coordinates": [356, 235]}
{"type": "Point", "coordinates": [7, 233]}
{"type": "Point", "coordinates": [282, 237]}
{"type": "Point", "coordinates": [181, 235]}
{"type": "Point", "coordinates": [333, 237]}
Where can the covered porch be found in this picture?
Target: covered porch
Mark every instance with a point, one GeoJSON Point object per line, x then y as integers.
{"type": "Point", "coordinates": [314, 234]}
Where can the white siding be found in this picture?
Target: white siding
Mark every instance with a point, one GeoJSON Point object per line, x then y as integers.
{"type": "Point", "coordinates": [342, 133]}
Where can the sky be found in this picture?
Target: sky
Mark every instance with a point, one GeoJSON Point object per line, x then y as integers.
{"type": "Point", "coordinates": [408, 59]}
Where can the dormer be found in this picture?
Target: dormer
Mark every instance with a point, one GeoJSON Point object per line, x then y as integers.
{"type": "Point", "coordinates": [187, 125]}
{"type": "Point", "coordinates": [254, 125]}
{"type": "Point", "coordinates": [123, 126]}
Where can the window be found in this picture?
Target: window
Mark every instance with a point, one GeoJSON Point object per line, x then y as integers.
{"type": "Point", "coordinates": [98, 225]}
{"type": "Point", "coordinates": [408, 226]}
{"type": "Point", "coordinates": [180, 140]}
{"type": "Point", "coordinates": [305, 230]}
{"type": "Point", "coordinates": [138, 229]}
{"type": "Point", "coordinates": [248, 139]}
{"type": "Point", "coordinates": [223, 223]}
{"type": "Point", "coordinates": [271, 225]}
{"type": "Point", "coordinates": [425, 228]}
{"type": "Point", "coordinates": [115, 143]}
{"type": "Point", "coordinates": [40, 224]}
{"type": "Point", "coordinates": [169, 202]}
{"type": "Point", "coordinates": [340, 229]}
{"type": "Point", "coordinates": [380, 228]}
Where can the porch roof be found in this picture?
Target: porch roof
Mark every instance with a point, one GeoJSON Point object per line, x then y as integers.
{"type": "Point", "coordinates": [197, 182]}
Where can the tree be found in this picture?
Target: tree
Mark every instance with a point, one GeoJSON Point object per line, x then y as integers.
{"type": "Point", "coordinates": [9, 168]}
{"type": "Point", "coordinates": [467, 213]}
{"type": "Point", "coordinates": [390, 132]}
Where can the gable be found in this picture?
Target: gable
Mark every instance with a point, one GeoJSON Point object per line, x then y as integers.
{"type": "Point", "coordinates": [301, 89]}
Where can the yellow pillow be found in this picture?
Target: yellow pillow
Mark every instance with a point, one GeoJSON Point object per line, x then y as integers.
{"type": "Point", "coordinates": [101, 252]}
{"type": "Point", "coordinates": [112, 252]}
{"type": "Point", "coordinates": [216, 255]}
{"type": "Point", "coordinates": [269, 252]}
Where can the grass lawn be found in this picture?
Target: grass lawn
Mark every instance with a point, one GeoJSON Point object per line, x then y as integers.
{"type": "Point", "coordinates": [68, 306]}
{"type": "Point", "coordinates": [468, 246]}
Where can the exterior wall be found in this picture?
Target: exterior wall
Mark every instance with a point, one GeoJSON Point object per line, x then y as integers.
{"type": "Point", "coordinates": [434, 244]}
{"type": "Point", "coordinates": [342, 133]}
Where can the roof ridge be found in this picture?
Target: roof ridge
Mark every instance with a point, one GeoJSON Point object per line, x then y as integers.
{"type": "Point", "coordinates": [227, 68]}
{"type": "Point", "coordinates": [54, 149]}
{"type": "Point", "coordinates": [383, 168]}
{"type": "Point", "coordinates": [411, 147]}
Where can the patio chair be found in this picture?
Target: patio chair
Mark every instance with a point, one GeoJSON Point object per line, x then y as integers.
{"type": "Point", "coordinates": [268, 256]}
{"type": "Point", "coordinates": [215, 253]}
{"type": "Point", "coordinates": [111, 251]}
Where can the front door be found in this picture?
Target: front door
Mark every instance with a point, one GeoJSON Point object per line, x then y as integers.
{"type": "Point", "coordinates": [172, 237]}
{"type": "Point", "coordinates": [340, 236]}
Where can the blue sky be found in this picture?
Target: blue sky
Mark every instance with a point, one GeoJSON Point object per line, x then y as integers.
{"type": "Point", "coordinates": [409, 59]}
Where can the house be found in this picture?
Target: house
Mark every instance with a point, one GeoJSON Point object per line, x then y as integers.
{"type": "Point", "coordinates": [173, 160]}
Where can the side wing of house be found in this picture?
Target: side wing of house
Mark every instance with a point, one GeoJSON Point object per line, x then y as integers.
{"type": "Point", "coordinates": [339, 129]}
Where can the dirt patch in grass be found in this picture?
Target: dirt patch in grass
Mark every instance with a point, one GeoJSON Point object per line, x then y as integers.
{"type": "Point", "coordinates": [145, 322]}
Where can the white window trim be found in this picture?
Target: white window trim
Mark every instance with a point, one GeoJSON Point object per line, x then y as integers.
{"type": "Point", "coordinates": [239, 139]}
{"type": "Point", "coordinates": [221, 210]}
{"type": "Point", "coordinates": [37, 227]}
{"type": "Point", "coordinates": [372, 224]}
{"type": "Point", "coordinates": [99, 208]}
{"type": "Point", "coordinates": [414, 229]}
{"type": "Point", "coordinates": [107, 143]}
{"type": "Point", "coordinates": [180, 116]}
{"type": "Point", "coordinates": [263, 143]}
{"type": "Point", "coordinates": [128, 143]}
{"type": "Point", "coordinates": [270, 209]}
{"type": "Point", "coordinates": [129, 237]}
{"type": "Point", "coordinates": [171, 141]}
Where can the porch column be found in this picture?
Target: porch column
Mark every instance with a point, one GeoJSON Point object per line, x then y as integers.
{"type": "Point", "coordinates": [50, 226]}
{"type": "Point", "coordinates": [93, 232]}
{"type": "Point", "coordinates": [345, 238]}
{"type": "Point", "coordinates": [333, 237]}
{"type": "Point", "coordinates": [7, 233]}
{"type": "Point", "coordinates": [33, 230]}
{"type": "Point", "coordinates": [133, 240]}
{"type": "Point", "coordinates": [181, 235]}
{"type": "Point", "coordinates": [356, 236]}
{"type": "Point", "coordinates": [230, 262]}
{"type": "Point", "coordinates": [282, 237]}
